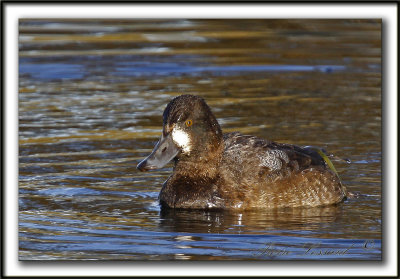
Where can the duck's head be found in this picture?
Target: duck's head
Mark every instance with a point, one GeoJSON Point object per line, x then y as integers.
{"type": "Point", "coordinates": [190, 132]}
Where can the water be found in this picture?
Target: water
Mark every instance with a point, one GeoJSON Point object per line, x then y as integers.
{"type": "Point", "coordinates": [91, 96]}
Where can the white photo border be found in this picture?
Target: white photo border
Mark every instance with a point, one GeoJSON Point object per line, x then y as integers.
{"type": "Point", "coordinates": [12, 11]}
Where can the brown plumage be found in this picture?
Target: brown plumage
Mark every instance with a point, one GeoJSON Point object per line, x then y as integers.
{"type": "Point", "coordinates": [234, 171]}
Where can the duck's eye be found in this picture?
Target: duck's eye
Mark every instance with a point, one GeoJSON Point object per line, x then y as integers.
{"type": "Point", "coordinates": [189, 122]}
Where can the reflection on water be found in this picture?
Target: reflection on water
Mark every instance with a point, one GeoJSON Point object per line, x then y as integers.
{"type": "Point", "coordinates": [251, 222]}
{"type": "Point", "coordinates": [91, 96]}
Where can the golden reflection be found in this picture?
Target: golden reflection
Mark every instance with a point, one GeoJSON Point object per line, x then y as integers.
{"type": "Point", "coordinates": [94, 135]}
{"type": "Point", "coordinates": [253, 222]}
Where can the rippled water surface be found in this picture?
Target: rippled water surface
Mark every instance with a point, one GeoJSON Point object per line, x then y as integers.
{"type": "Point", "coordinates": [91, 96]}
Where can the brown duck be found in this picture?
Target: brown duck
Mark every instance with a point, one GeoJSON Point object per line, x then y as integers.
{"type": "Point", "coordinates": [235, 171]}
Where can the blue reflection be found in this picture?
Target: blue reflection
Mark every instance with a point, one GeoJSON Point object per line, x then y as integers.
{"type": "Point", "coordinates": [143, 69]}
{"type": "Point", "coordinates": [52, 70]}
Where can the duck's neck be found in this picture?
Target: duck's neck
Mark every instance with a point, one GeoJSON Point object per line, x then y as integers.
{"type": "Point", "coordinates": [204, 164]}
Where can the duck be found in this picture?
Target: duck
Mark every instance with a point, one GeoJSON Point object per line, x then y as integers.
{"type": "Point", "coordinates": [216, 170]}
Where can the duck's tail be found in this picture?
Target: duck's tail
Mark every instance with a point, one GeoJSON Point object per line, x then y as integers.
{"type": "Point", "coordinates": [325, 156]}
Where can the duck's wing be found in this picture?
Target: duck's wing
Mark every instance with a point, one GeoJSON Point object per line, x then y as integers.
{"type": "Point", "coordinates": [305, 157]}
{"type": "Point", "coordinates": [270, 156]}
{"type": "Point", "coordinates": [270, 174]}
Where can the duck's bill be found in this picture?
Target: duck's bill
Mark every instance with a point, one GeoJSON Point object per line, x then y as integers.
{"type": "Point", "coordinates": [164, 151]}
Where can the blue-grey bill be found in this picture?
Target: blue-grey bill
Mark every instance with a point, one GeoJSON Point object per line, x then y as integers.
{"type": "Point", "coordinates": [164, 151]}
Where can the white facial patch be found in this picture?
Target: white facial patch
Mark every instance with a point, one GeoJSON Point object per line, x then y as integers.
{"type": "Point", "coordinates": [181, 139]}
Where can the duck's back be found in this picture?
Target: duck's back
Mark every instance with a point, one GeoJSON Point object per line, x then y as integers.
{"type": "Point", "coordinates": [258, 173]}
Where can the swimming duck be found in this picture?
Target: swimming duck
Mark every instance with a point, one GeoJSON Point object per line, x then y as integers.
{"type": "Point", "coordinates": [235, 171]}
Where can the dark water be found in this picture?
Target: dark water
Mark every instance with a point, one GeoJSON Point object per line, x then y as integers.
{"type": "Point", "coordinates": [91, 95]}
